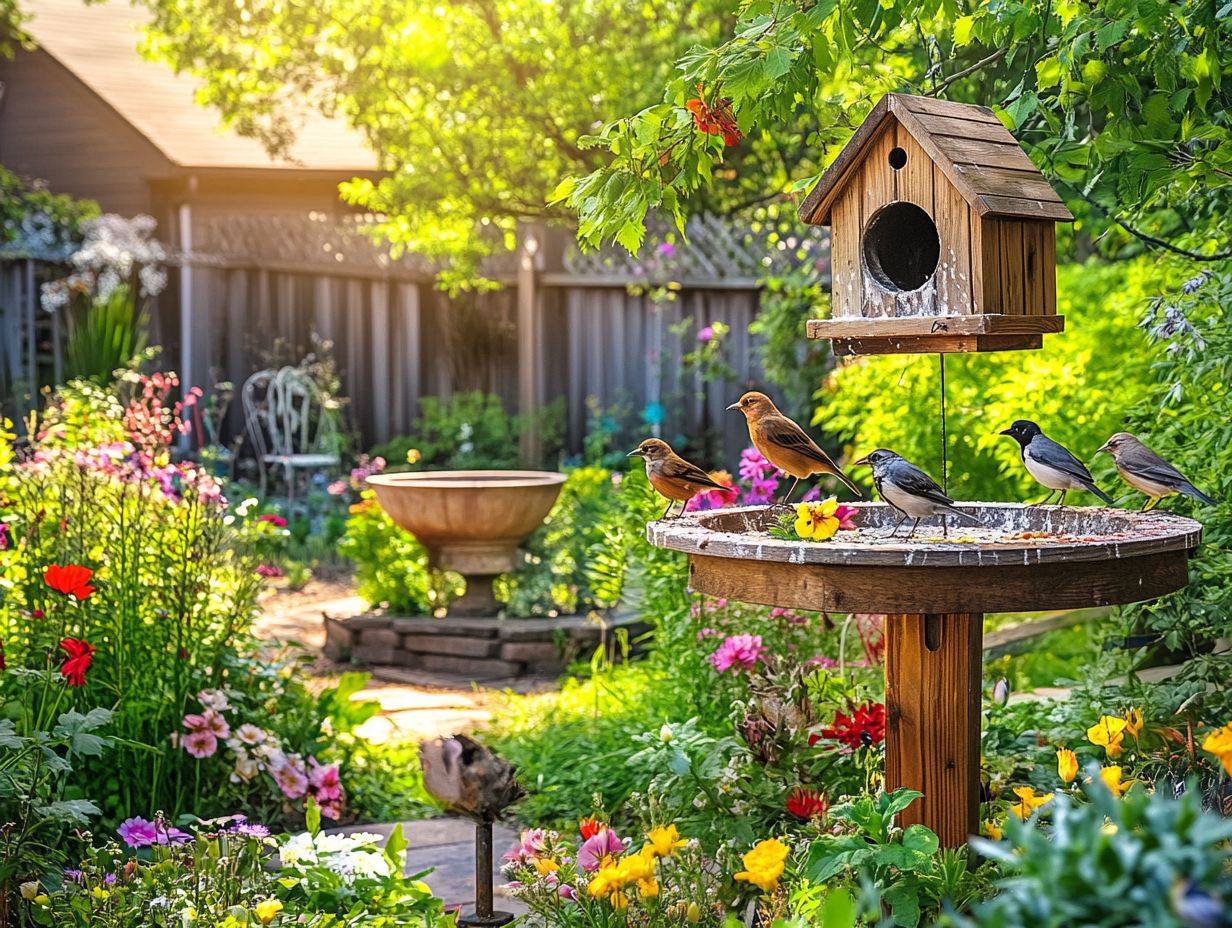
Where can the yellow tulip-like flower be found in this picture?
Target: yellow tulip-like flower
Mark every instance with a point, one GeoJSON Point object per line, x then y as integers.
{"type": "Point", "coordinates": [1133, 722]}
{"type": "Point", "coordinates": [817, 520]}
{"type": "Point", "coordinates": [1111, 777]}
{"type": "Point", "coordinates": [693, 913]}
{"type": "Point", "coordinates": [1219, 743]}
{"type": "Point", "coordinates": [992, 830]}
{"type": "Point", "coordinates": [267, 910]}
{"type": "Point", "coordinates": [100, 894]}
{"type": "Point", "coordinates": [648, 888]}
{"type": "Point", "coordinates": [606, 882]}
{"type": "Point", "coordinates": [1028, 801]}
{"type": "Point", "coordinates": [764, 864]}
{"type": "Point", "coordinates": [544, 865]}
{"type": "Point", "coordinates": [665, 840]}
{"type": "Point", "coordinates": [1067, 765]}
{"type": "Point", "coordinates": [1108, 733]}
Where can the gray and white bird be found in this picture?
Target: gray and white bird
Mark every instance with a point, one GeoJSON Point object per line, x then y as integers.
{"type": "Point", "coordinates": [1052, 464]}
{"type": "Point", "coordinates": [909, 491]}
{"type": "Point", "coordinates": [1147, 472]}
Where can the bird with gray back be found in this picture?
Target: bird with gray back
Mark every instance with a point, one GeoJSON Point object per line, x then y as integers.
{"type": "Point", "coordinates": [1051, 464]}
{"type": "Point", "coordinates": [1147, 472]}
{"type": "Point", "coordinates": [909, 491]}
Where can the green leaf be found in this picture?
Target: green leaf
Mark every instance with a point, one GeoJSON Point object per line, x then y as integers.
{"type": "Point", "coordinates": [838, 910]}
{"type": "Point", "coordinates": [78, 811]}
{"type": "Point", "coordinates": [829, 856]}
{"type": "Point", "coordinates": [1047, 72]}
{"type": "Point", "coordinates": [394, 846]}
{"type": "Point", "coordinates": [8, 735]}
{"type": "Point", "coordinates": [919, 838]}
{"type": "Point", "coordinates": [895, 802]}
{"type": "Point", "coordinates": [312, 817]}
{"type": "Point", "coordinates": [962, 30]}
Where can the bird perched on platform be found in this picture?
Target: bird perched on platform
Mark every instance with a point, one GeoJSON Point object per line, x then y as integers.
{"type": "Point", "coordinates": [909, 491]}
{"type": "Point", "coordinates": [1051, 464]}
{"type": "Point", "coordinates": [784, 444]}
{"type": "Point", "coordinates": [671, 475]}
{"type": "Point", "coordinates": [1147, 472]}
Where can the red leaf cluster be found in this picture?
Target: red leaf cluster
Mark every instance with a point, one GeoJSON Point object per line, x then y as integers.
{"type": "Point", "coordinates": [716, 119]}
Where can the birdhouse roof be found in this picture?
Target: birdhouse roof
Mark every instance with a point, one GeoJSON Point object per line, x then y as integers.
{"type": "Point", "coordinates": [968, 143]}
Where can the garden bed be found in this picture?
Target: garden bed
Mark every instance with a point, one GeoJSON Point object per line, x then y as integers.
{"type": "Point", "coordinates": [478, 648]}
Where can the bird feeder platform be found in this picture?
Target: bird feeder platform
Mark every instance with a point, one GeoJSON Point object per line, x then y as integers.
{"type": "Point", "coordinates": [934, 590]}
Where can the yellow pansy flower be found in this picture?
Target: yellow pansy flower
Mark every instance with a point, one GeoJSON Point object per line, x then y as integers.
{"type": "Point", "coordinates": [1111, 777]}
{"type": "Point", "coordinates": [1108, 733]}
{"type": "Point", "coordinates": [764, 864]}
{"type": "Point", "coordinates": [1219, 743]}
{"type": "Point", "coordinates": [544, 865]}
{"type": "Point", "coordinates": [992, 830]}
{"type": "Point", "coordinates": [267, 910]}
{"type": "Point", "coordinates": [665, 840]}
{"type": "Point", "coordinates": [1028, 801]}
{"type": "Point", "coordinates": [1067, 765]}
{"type": "Point", "coordinates": [1133, 722]}
{"type": "Point", "coordinates": [817, 520]}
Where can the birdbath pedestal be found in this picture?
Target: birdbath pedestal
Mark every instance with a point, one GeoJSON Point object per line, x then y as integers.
{"type": "Point", "coordinates": [934, 592]}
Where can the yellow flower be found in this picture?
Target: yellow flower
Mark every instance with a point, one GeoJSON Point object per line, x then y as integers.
{"type": "Point", "coordinates": [1108, 733]}
{"type": "Point", "coordinates": [991, 830]}
{"type": "Point", "coordinates": [648, 888]}
{"type": "Point", "coordinates": [544, 865]}
{"type": "Point", "coordinates": [693, 913]}
{"type": "Point", "coordinates": [665, 840]}
{"type": "Point", "coordinates": [267, 910]}
{"type": "Point", "coordinates": [100, 894]}
{"type": "Point", "coordinates": [817, 520]}
{"type": "Point", "coordinates": [1111, 777]}
{"type": "Point", "coordinates": [1067, 765]}
{"type": "Point", "coordinates": [414, 456]}
{"type": "Point", "coordinates": [41, 899]}
{"type": "Point", "coordinates": [1133, 722]}
{"type": "Point", "coordinates": [1219, 743]}
{"type": "Point", "coordinates": [764, 864]}
{"type": "Point", "coordinates": [29, 890]}
{"type": "Point", "coordinates": [1028, 801]}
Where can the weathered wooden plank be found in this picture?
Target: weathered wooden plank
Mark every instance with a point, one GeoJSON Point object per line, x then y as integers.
{"type": "Point", "coordinates": [846, 273]}
{"type": "Point", "coordinates": [933, 685]}
{"type": "Point", "coordinates": [984, 324]}
{"type": "Point", "coordinates": [993, 205]}
{"type": "Point", "coordinates": [986, 241]}
{"type": "Point", "coordinates": [934, 344]}
{"type": "Point", "coordinates": [915, 177]}
{"type": "Point", "coordinates": [942, 109]}
{"type": "Point", "coordinates": [1012, 285]}
{"type": "Point", "coordinates": [879, 588]}
{"type": "Point", "coordinates": [1033, 270]}
{"type": "Point", "coordinates": [1048, 261]}
{"type": "Point", "coordinates": [1005, 182]}
{"type": "Point", "coordinates": [952, 215]}
{"type": "Point", "coordinates": [1002, 154]}
{"type": "Point", "coordinates": [937, 126]}
{"type": "Point", "coordinates": [817, 205]}
{"type": "Point", "coordinates": [877, 186]}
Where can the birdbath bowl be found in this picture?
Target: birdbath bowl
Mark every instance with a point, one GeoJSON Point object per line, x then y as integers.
{"type": "Point", "coordinates": [934, 591]}
{"type": "Point", "coordinates": [471, 521]}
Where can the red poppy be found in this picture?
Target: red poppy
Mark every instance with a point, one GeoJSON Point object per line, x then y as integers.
{"type": "Point", "coordinates": [807, 803]}
{"type": "Point", "coordinates": [71, 580]}
{"type": "Point", "coordinates": [589, 827]}
{"type": "Point", "coordinates": [865, 726]}
{"type": "Point", "coordinates": [715, 120]}
{"type": "Point", "coordinates": [80, 656]}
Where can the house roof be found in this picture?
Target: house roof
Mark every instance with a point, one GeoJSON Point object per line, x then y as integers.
{"type": "Point", "coordinates": [97, 43]}
{"type": "Point", "coordinates": [974, 150]}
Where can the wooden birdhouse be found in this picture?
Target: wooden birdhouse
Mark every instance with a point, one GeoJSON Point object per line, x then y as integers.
{"type": "Point", "coordinates": [942, 234]}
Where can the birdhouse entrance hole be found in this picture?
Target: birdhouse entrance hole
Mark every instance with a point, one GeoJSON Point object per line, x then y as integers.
{"type": "Point", "coordinates": [901, 247]}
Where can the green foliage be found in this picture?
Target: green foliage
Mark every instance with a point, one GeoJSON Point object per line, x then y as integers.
{"type": "Point", "coordinates": [1079, 388]}
{"type": "Point", "coordinates": [34, 222]}
{"type": "Point", "coordinates": [470, 431]}
{"type": "Point", "coordinates": [106, 336]}
{"type": "Point", "coordinates": [1140, 860]}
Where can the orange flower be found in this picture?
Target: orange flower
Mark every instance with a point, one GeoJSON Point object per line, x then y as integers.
{"type": "Point", "coordinates": [714, 120]}
{"type": "Point", "coordinates": [70, 579]}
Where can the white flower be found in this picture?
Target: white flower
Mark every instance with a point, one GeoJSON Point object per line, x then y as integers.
{"type": "Point", "coordinates": [214, 699]}
{"type": "Point", "coordinates": [250, 734]}
{"type": "Point", "coordinates": [298, 849]}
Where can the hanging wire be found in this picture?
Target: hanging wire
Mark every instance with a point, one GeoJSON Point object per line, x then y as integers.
{"type": "Point", "coordinates": [945, 466]}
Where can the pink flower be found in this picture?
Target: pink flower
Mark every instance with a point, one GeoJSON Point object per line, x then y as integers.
{"type": "Point", "coordinates": [593, 850]}
{"type": "Point", "coordinates": [791, 618]}
{"type": "Point", "coordinates": [200, 744]}
{"type": "Point", "coordinates": [705, 334]}
{"type": "Point", "coordinates": [567, 893]}
{"type": "Point", "coordinates": [753, 465]}
{"type": "Point", "coordinates": [4, 537]}
{"type": "Point", "coordinates": [820, 660]}
{"type": "Point", "coordinates": [761, 490]}
{"type": "Point", "coordinates": [533, 843]}
{"type": "Point", "coordinates": [137, 832]}
{"type": "Point", "coordinates": [269, 570]}
{"type": "Point", "coordinates": [331, 811]}
{"type": "Point", "coordinates": [738, 652]}
{"type": "Point", "coordinates": [845, 514]}
{"type": "Point", "coordinates": [337, 488]}
{"type": "Point", "coordinates": [706, 632]}
{"type": "Point", "coordinates": [290, 780]}
{"type": "Point", "coordinates": [210, 721]}
{"type": "Point", "coordinates": [323, 778]}
{"type": "Point", "coordinates": [276, 521]}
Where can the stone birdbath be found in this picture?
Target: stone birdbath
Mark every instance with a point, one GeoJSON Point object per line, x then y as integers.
{"type": "Point", "coordinates": [471, 521]}
{"type": "Point", "coordinates": [934, 592]}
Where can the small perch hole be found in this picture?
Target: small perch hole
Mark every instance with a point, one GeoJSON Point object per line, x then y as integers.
{"type": "Point", "coordinates": [901, 246]}
{"type": "Point", "coordinates": [898, 159]}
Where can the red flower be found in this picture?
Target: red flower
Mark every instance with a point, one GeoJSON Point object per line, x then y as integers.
{"type": "Point", "coordinates": [807, 803]}
{"type": "Point", "coordinates": [80, 656]}
{"type": "Point", "coordinates": [865, 726]}
{"type": "Point", "coordinates": [71, 580]}
{"type": "Point", "coordinates": [715, 120]}
{"type": "Point", "coordinates": [590, 827]}
{"type": "Point", "coordinates": [4, 664]}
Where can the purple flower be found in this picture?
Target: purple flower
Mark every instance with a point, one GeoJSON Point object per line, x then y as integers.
{"type": "Point", "coordinates": [605, 844]}
{"type": "Point", "coordinates": [567, 892]}
{"type": "Point", "coordinates": [72, 876]}
{"type": "Point", "coordinates": [753, 464]}
{"type": "Point", "coordinates": [249, 830]}
{"type": "Point", "coordinates": [4, 537]}
{"type": "Point", "coordinates": [811, 496]}
{"type": "Point", "coordinates": [761, 490]}
{"type": "Point", "coordinates": [533, 843]}
{"type": "Point", "coordinates": [665, 249]}
{"type": "Point", "coordinates": [705, 334]}
{"type": "Point", "coordinates": [738, 652]}
{"type": "Point", "coordinates": [110, 879]}
{"type": "Point", "coordinates": [138, 832]}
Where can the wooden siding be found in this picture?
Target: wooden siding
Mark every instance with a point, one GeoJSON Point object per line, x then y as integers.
{"type": "Point", "coordinates": [54, 128]}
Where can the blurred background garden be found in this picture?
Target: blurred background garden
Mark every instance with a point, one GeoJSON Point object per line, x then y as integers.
{"type": "Point", "coordinates": [253, 254]}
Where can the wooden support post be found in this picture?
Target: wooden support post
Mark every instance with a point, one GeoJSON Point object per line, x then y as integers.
{"type": "Point", "coordinates": [530, 360]}
{"type": "Point", "coordinates": [933, 687]}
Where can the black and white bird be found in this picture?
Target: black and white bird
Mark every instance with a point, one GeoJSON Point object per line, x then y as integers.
{"type": "Point", "coordinates": [909, 491]}
{"type": "Point", "coordinates": [1051, 464]}
{"type": "Point", "coordinates": [1147, 472]}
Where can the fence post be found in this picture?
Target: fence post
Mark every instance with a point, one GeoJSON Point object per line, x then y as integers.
{"type": "Point", "coordinates": [530, 360]}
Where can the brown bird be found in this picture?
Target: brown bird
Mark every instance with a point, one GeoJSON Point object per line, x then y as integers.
{"type": "Point", "coordinates": [784, 444]}
{"type": "Point", "coordinates": [1147, 472]}
{"type": "Point", "coordinates": [671, 475]}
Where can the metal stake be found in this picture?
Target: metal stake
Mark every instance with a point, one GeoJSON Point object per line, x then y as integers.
{"type": "Point", "coordinates": [483, 916]}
